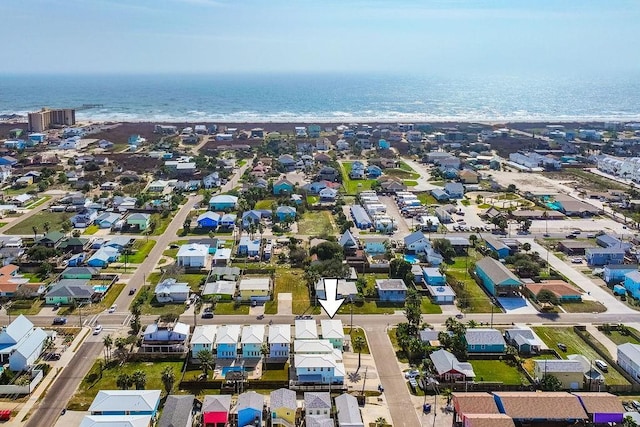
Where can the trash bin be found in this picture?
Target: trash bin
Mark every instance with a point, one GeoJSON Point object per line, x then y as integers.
{"type": "Point", "coordinates": [426, 408]}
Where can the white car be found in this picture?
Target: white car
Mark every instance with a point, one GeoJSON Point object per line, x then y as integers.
{"type": "Point", "coordinates": [113, 308]}
{"type": "Point", "coordinates": [576, 260]}
{"type": "Point", "coordinates": [97, 330]}
{"type": "Point", "coordinates": [411, 374]}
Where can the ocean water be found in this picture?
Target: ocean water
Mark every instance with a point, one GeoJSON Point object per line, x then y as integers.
{"type": "Point", "coordinates": [326, 97]}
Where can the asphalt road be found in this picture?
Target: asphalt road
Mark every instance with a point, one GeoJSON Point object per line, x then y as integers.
{"type": "Point", "coordinates": [63, 387]}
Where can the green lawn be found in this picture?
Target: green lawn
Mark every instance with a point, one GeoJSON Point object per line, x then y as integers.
{"type": "Point", "coordinates": [316, 223]}
{"type": "Point", "coordinates": [55, 220]}
{"type": "Point", "coordinates": [193, 279]}
{"type": "Point", "coordinates": [153, 307]}
{"type": "Point", "coordinates": [28, 307]}
{"type": "Point", "coordinates": [140, 249]}
{"type": "Point", "coordinates": [311, 200]}
{"type": "Point", "coordinates": [2, 224]}
{"type": "Point", "coordinates": [290, 280]}
{"type": "Point", "coordinates": [405, 167]}
{"type": "Point", "coordinates": [618, 338]}
{"type": "Point", "coordinates": [161, 223]}
{"type": "Point", "coordinates": [223, 308]}
{"type": "Point", "coordinates": [401, 173]}
{"type": "Point", "coordinates": [498, 370]}
{"type": "Point", "coordinates": [33, 277]}
{"type": "Point", "coordinates": [410, 183]}
{"type": "Point", "coordinates": [96, 381]}
{"type": "Point", "coordinates": [92, 229]}
{"type": "Point", "coordinates": [358, 332]}
{"type": "Point", "coordinates": [575, 345]}
{"type": "Point", "coordinates": [38, 202]}
{"type": "Point", "coordinates": [584, 307]}
{"type": "Point", "coordinates": [264, 204]}
{"type": "Point", "coordinates": [241, 163]}
{"type": "Point", "coordinates": [354, 186]}
{"type": "Point", "coordinates": [394, 343]}
{"type": "Point", "coordinates": [427, 199]}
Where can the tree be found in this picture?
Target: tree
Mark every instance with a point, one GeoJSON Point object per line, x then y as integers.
{"type": "Point", "coordinates": [381, 422]}
{"type": "Point", "coordinates": [186, 226]}
{"type": "Point", "coordinates": [473, 239]}
{"type": "Point", "coordinates": [139, 379]}
{"type": "Point", "coordinates": [413, 311]}
{"type": "Point", "coordinates": [108, 343]}
{"type": "Point", "coordinates": [66, 226]}
{"type": "Point", "coordinates": [358, 345]}
{"type": "Point", "coordinates": [124, 381]}
{"type": "Point", "coordinates": [545, 295]}
{"type": "Point", "coordinates": [168, 379]}
{"type": "Point", "coordinates": [526, 247]}
{"type": "Point", "coordinates": [121, 349]}
{"type": "Point", "coordinates": [448, 394]}
{"type": "Point", "coordinates": [264, 351]}
{"type": "Point", "coordinates": [500, 222]}
{"type": "Point", "coordinates": [398, 268]}
{"type": "Point", "coordinates": [46, 225]}
{"type": "Point", "coordinates": [550, 383]}
{"type": "Point", "coordinates": [511, 188]}
{"type": "Point", "coordinates": [445, 248]}
{"type": "Point", "coordinates": [327, 251]}
{"type": "Point", "coordinates": [35, 232]}
{"type": "Point", "coordinates": [629, 422]}
{"type": "Point", "coordinates": [205, 357]}
{"type": "Point", "coordinates": [525, 224]}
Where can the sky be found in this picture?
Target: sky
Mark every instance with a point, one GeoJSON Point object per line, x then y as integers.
{"type": "Point", "coordinates": [565, 37]}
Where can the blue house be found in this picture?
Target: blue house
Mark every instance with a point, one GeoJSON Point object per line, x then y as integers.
{"type": "Point", "coordinates": [286, 212]}
{"type": "Point", "coordinates": [126, 402]}
{"type": "Point", "coordinates": [604, 256]}
{"type": "Point", "coordinates": [632, 283]}
{"type": "Point", "coordinates": [103, 257]}
{"type": "Point", "coordinates": [118, 243]}
{"type": "Point", "coordinates": [15, 144]}
{"type": "Point", "coordinates": [208, 219]}
{"type": "Point", "coordinates": [391, 290]}
{"type": "Point", "coordinates": [357, 170]}
{"type": "Point", "coordinates": [227, 339]}
{"type": "Point", "coordinates": [250, 405]}
{"type": "Point", "coordinates": [228, 220]}
{"type": "Point", "coordinates": [497, 279]}
{"type": "Point", "coordinates": [383, 144]}
{"type": "Point", "coordinates": [607, 241]}
{"type": "Point", "coordinates": [432, 276]}
{"type": "Point", "coordinates": [283, 186]}
{"type": "Point", "coordinates": [455, 190]}
{"type": "Point", "coordinates": [498, 246]}
{"type": "Point", "coordinates": [107, 219]}
{"type": "Point", "coordinates": [614, 273]}
{"type": "Point", "coordinates": [223, 202]}
{"type": "Point", "coordinates": [279, 341]}
{"type": "Point", "coordinates": [374, 171]}
{"type": "Point", "coordinates": [440, 195]}
{"type": "Point", "coordinates": [248, 247]}
{"type": "Point", "coordinates": [252, 340]}
{"type": "Point", "coordinates": [482, 340]}
{"type": "Point", "coordinates": [253, 217]}
{"type": "Point", "coordinates": [360, 217]}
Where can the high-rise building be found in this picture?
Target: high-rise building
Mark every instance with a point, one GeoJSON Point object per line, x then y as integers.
{"type": "Point", "coordinates": [46, 118]}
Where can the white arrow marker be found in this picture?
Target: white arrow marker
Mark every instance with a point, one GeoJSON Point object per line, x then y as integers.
{"type": "Point", "coordinates": [331, 304]}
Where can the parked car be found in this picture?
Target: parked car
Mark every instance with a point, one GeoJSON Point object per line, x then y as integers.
{"type": "Point", "coordinates": [113, 308]}
{"type": "Point", "coordinates": [97, 330]}
{"type": "Point", "coordinates": [576, 260]}
{"type": "Point", "coordinates": [207, 315]}
{"type": "Point", "coordinates": [571, 236]}
{"type": "Point", "coordinates": [411, 374]}
{"type": "Point", "coordinates": [132, 291]}
{"type": "Point", "coordinates": [562, 346]}
{"type": "Point", "coordinates": [602, 365]}
{"type": "Point", "coordinates": [59, 320]}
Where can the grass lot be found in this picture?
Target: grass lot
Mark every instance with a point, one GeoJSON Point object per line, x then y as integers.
{"type": "Point", "coordinates": [33, 277]}
{"type": "Point", "coordinates": [394, 343]}
{"type": "Point", "coordinates": [26, 307]}
{"type": "Point", "coordinates": [151, 306]}
{"type": "Point", "coordinates": [92, 229]}
{"type": "Point", "coordinates": [161, 223]}
{"type": "Point", "coordinates": [96, 381]}
{"type": "Point", "coordinates": [438, 182]}
{"type": "Point", "coordinates": [427, 199]}
{"type": "Point", "coordinates": [311, 200]}
{"type": "Point", "coordinates": [354, 186]}
{"type": "Point", "coordinates": [140, 249]}
{"type": "Point", "coordinates": [618, 338]}
{"type": "Point", "coordinates": [10, 191]}
{"type": "Point", "coordinates": [584, 307]}
{"type": "Point", "coordinates": [316, 223]}
{"type": "Point", "coordinates": [401, 173]}
{"type": "Point", "coordinates": [476, 298]}
{"type": "Point", "coordinates": [173, 253]}
{"type": "Point", "coordinates": [241, 163]}
{"type": "Point", "coordinates": [405, 167]}
{"type": "Point", "coordinates": [290, 280]}
{"type": "Point", "coordinates": [55, 220]}
{"type": "Point", "coordinates": [230, 308]}
{"type": "Point", "coordinates": [2, 224]}
{"type": "Point", "coordinates": [358, 332]}
{"type": "Point", "coordinates": [38, 202]}
{"type": "Point", "coordinates": [410, 183]}
{"type": "Point", "coordinates": [498, 370]}
{"type": "Point", "coordinates": [575, 345]}
{"type": "Point", "coordinates": [264, 204]}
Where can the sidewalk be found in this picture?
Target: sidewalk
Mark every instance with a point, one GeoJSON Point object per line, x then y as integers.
{"type": "Point", "coordinates": [611, 347]}
{"type": "Point", "coordinates": [56, 368]}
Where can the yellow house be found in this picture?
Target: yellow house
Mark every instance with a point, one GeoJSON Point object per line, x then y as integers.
{"type": "Point", "coordinates": [283, 407]}
{"type": "Point", "coordinates": [255, 289]}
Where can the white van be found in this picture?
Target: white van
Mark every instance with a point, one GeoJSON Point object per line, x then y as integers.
{"type": "Point", "coordinates": [601, 365]}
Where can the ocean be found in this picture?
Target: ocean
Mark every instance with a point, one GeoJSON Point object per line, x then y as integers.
{"type": "Point", "coordinates": [325, 97]}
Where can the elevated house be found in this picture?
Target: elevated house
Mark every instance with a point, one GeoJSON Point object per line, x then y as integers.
{"type": "Point", "coordinates": [170, 291]}
{"type": "Point", "coordinates": [332, 330]}
{"type": "Point", "coordinates": [178, 411]}
{"type": "Point", "coordinates": [279, 340]}
{"type": "Point", "coordinates": [193, 255]}
{"type": "Point", "coordinates": [391, 290]}
{"type": "Point", "coordinates": [497, 279]}
{"type": "Point", "coordinates": [251, 340]}
{"type": "Point", "coordinates": [249, 408]}
{"type": "Point", "coordinates": [227, 341]}
{"type": "Point", "coordinates": [348, 411]}
{"type": "Point", "coordinates": [484, 340]}
{"type": "Point", "coordinates": [164, 337]}
{"type": "Point", "coordinates": [203, 338]}
{"type": "Point", "coordinates": [283, 405]}
{"type": "Point", "coordinates": [215, 410]}
{"type": "Point", "coordinates": [524, 339]}
{"type": "Point", "coordinates": [126, 402]}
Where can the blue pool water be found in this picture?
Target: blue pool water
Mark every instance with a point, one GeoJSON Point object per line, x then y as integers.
{"type": "Point", "coordinates": [412, 259]}
{"type": "Point", "coordinates": [231, 369]}
{"type": "Point", "coordinates": [100, 288]}
{"type": "Point", "coordinates": [554, 205]}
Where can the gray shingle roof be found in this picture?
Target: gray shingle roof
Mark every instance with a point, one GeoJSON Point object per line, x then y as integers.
{"type": "Point", "coordinates": [282, 398]}
{"type": "Point", "coordinates": [176, 410]}
{"type": "Point", "coordinates": [216, 403]}
{"type": "Point", "coordinates": [317, 400]}
{"type": "Point", "coordinates": [497, 272]}
{"type": "Point", "coordinates": [559, 365]}
{"type": "Point", "coordinates": [250, 399]}
{"type": "Point", "coordinates": [484, 336]}
{"type": "Point", "coordinates": [348, 410]}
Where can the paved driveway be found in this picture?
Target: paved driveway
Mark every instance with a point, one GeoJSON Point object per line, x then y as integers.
{"type": "Point", "coordinates": [517, 305]}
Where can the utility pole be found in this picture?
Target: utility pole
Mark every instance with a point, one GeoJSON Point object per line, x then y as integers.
{"type": "Point", "coordinates": [351, 321]}
{"type": "Point", "coordinates": [364, 381]}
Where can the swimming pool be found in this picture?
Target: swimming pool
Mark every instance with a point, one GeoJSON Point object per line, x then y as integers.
{"type": "Point", "coordinates": [231, 369]}
{"type": "Point", "coordinates": [100, 288]}
{"type": "Point", "coordinates": [412, 259]}
{"type": "Point", "coordinates": [556, 206]}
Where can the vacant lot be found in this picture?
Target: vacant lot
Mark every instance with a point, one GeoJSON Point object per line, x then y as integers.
{"type": "Point", "coordinates": [290, 280]}
{"type": "Point", "coordinates": [139, 251]}
{"type": "Point", "coordinates": [106, 380]}
{"type": "Point", "coordinates": [354, 186]}
{"type": "Point", "coordinates": [575, 345]}
{"type": "Point", "coordinates": [498, 370]}
{"type": "Point", "coordinates": [618, 338]}
{"type": "Point", "coordinates": [55, 220]}
{"type": "Point", "coordinates": [470, 295]}
{"type": "Point", "coordinates": [316, 223]}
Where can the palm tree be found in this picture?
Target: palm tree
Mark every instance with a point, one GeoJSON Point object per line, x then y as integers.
{"type": "Point", "coordinates": [121, 345]}
{"type": "Point", "coordinates": [358, 345]}
{"type": "Point", "coordinates": [66, 226]}
{"type": "Point", "coordinates": [448, 394]}
{"type": "Point", "coordinates": [46, 226]}
{"type": "Point", "coordinates": [205, 357]}
{"type": "Point", "coordinates": [381, 422]}
{"type": "Point", "coordinates": [473, 239]}
{"type": "Point", "coordinates": [124, 381]}
{"type": "Point", "coordinates": [168, 379]}
{"type": "Point", "coordinates": [35, 232]}
{"type": "Point", "coordinates": [264, 350]}
{"type": "Point", "coordinates": [526, 247]}
{"type": "Point", "coordinates": [139, 379]}
{"type": "Point", "coordinates": [108, 343]}
{"type": "Point", "coordinates": [472, 324]}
